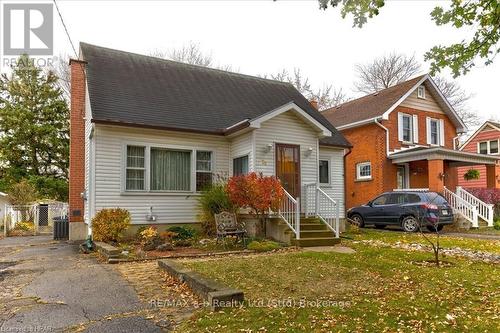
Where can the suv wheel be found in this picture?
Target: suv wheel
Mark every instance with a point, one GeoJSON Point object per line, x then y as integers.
{"type": "Point", "coordinates": [409, 224]}
{"type": "Point", "coordinates": [358, 220]}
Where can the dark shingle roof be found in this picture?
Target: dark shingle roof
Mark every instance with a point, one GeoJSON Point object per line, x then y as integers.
{"type": "Point", "coordinates": [146, 91]}
{"type": "Point", "coordinates": [369, 106]}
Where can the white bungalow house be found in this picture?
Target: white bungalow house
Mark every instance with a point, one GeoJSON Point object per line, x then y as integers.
{"type": "Point", "coordinates": [147, 134]}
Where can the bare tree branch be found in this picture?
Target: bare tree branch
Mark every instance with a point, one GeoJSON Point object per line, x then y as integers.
{"type": "Point", "coordinates": [61, 69]}
{"type": "Point", "coordinates": [327, 96]}
{"type": "Point", "coordinates": [191, 53]}
{"type": "Point", "coordinates": [459, 99]}
{"type": "Point", "coordinates": [385, 71]}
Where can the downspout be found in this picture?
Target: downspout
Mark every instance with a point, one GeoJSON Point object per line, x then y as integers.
{"type": "Point", "coordinates": [386, 136]}
{"type": "Point", "coordinates": [455, 142]}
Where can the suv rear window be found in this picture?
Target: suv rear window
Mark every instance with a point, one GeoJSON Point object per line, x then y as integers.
{"type": "Point", "coordinates": [412, 198]}
{"type": "Point", "coordinates": [436, 198]}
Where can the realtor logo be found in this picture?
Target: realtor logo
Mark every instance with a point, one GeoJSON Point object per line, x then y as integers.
{"type": "Point", "coordinates": [28, 28]}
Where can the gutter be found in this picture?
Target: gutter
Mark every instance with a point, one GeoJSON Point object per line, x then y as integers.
{"type": "Point", "coordinates": [386, 136]}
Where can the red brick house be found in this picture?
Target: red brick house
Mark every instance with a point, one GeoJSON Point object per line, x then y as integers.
{"type": "Point", "coordinates": [485, 140]}
{"type": "Point", "coordinates": [405, 136]}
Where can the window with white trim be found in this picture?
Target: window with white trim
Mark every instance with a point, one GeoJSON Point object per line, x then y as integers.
{"type": "Point", "coordinates": [170, 169]}
{"type": "Point", "coordinates": [135, 174]}
{"type": "Point", "coordinates": [421, 92]}
{"type": "Point", "coordinates": [240, 165]}
{"type": "Point", "coordinates": [324, 171]}
{"type": "Point", "coordinates": [407, 128]}
{"type": "Point", "coordinates": [434, 131]}
{"type": "Point", "coordinates": [203, 169]}
{"type": "Point", "coordinates": [364, 170]}
{"type": "Point", "coordinates": [488, 147]}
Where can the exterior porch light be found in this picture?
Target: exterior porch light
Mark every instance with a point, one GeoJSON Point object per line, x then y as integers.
{"type": "Point", "coordinates": [309, 151]}
{"type": "Point", "coordinates": [269, 147]}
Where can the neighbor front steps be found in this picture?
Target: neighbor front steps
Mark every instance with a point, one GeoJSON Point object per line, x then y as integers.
{"type": "Point", "coordinates": [313, 232]}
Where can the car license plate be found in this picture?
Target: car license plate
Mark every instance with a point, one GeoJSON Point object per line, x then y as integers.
{"type": "Point", "coordinates": [444, 212]}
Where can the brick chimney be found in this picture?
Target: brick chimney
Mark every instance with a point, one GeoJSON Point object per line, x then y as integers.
{"type": "Point", "coordinates": [314, 103]}
{"type": "Point", "coordinates": [77, 149]}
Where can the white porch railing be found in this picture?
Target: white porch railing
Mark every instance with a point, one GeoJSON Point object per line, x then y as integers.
{"type": "Point", "coordinates": [319, 203]}
{"type": "Point", "coordinates": [290, 212]}
{"type": "Point", "coordinates": [461, 206]}
{"type": "Point", "coordinates": [484, 210]}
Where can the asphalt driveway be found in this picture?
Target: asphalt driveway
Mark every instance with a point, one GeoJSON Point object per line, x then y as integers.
{"type": "Point", "coordinates": [47, 286]}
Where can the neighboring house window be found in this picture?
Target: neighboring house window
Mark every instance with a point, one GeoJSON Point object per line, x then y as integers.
{"type": "Point", "coordinates": [407, 128]}
{"type": "Point", "coordinates": [494, 147]}
{"type": "Point", "coordinates": [203, 169]}
{"type": "Point", "coordinates": [434, 131]}
{"type": "Point", "coordinates": [421, 92]}
{"type": "Point", "coordinates": [240, 165]}
{"type": "Point", "coordinates": [324, 172]}
{"type": "Point", "coordinates": [135, 169]}
{"type": "Point", "coordinates": [483, 147]}
{"type": "Point", "coordinates": [170, 170]}
{"type": "Point", "coordinates": [488, 147]}
{"type": "Point", "coordinates": [364, 170]}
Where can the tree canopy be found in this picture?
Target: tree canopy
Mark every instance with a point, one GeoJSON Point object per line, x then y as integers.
{"type": "Point", "coordinates": [34, 129]}
{"type": "Point", "coordinates": [481, 17]}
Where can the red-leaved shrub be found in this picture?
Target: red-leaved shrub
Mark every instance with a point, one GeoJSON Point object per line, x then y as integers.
{"type": "Point", "coordinates": [257, 192]}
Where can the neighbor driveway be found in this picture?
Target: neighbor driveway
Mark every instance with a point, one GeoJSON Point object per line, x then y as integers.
{"type": "Point", "coordinates": [48, 286]}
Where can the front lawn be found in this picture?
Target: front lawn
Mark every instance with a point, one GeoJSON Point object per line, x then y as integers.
{"type": "Point", "coordinates": [389, 237]}
{"type": "Point", "coordinates": [382, 290]}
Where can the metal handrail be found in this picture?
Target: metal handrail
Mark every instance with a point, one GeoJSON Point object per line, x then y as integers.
{"type": "Point", "coordinates": [484, 210]}
{"type": "Point", "coordinates": [290, 212]}
{"type": "Point", "coordinates": [467, 210]}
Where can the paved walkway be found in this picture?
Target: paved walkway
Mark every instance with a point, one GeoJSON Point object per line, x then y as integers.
{"type": "Point", "coordinates": [48, 286]}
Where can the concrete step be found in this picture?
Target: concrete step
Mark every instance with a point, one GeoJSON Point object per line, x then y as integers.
{"type": "Point", "coordinates": [305, 234]}
{"type": "Point", "coordinates": [313, 226]}
{"type": "Point", "coordinates": [310, 220]}
{"type": "Point", "coordinates": [320, 241]}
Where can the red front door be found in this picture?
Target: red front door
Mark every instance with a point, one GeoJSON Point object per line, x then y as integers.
{"type": "Point", "coordinates": [288, 167]}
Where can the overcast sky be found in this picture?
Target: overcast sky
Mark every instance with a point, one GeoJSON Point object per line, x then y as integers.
{"type": "Point", "coordinates": [259, 37]}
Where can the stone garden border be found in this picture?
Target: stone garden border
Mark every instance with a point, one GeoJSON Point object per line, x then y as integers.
{"type": "Point", "coordinates": [217, 295]}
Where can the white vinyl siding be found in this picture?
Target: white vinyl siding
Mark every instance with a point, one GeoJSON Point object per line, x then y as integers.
{"type": "Point", "coordinates": [242, 145]}
{"type": "Point", "coordinates": [335, 189]}
{"type": "Point", "coordinates": [169, 207]}
{"type": "Point", "coordinates": [428, 104]}
{"type": "Point", "coordinates": [289, 129]}
{"type": "Point", "coordinates": [286, 128]}
{"type": "Point", "coordinates": [89, 164]}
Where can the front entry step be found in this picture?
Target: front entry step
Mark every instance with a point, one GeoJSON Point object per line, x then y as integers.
{"type": "Point", "coordinates": [313, 232]}
{"type": "Point", "coordinates": [310, 242]}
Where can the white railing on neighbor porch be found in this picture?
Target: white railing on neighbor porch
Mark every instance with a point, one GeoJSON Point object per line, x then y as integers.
{"type": "Point", "coordinates": [290, 212]}
{"type": "Point", "coordinates": [484, 210]}
{"type": "Point", "coordinates": [461, 206]}
{"type": "Point", "coordinates": [319, 203]}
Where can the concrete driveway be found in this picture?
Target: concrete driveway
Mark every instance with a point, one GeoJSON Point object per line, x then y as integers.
{"type": "Point", "coordinates": [47, 286]}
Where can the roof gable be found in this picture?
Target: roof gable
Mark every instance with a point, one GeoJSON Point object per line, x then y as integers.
{"type": "Point", "coordinates": [137, 90]}
{"type": "Point", "coordinates": [380, 104]}
{"type": "Point", "coordinates": [488, 125]}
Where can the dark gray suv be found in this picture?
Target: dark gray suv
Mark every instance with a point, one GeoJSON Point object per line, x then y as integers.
{"type": "Point", "coordinates": [406, 209]}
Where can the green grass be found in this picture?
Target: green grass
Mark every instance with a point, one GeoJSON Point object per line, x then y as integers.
{"type": "Point", "coordinates": [476, 231]}
{"type": "Point", "coordinates": [492, 246]}
{"type": "Point", "coordinates": [384, 288]}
